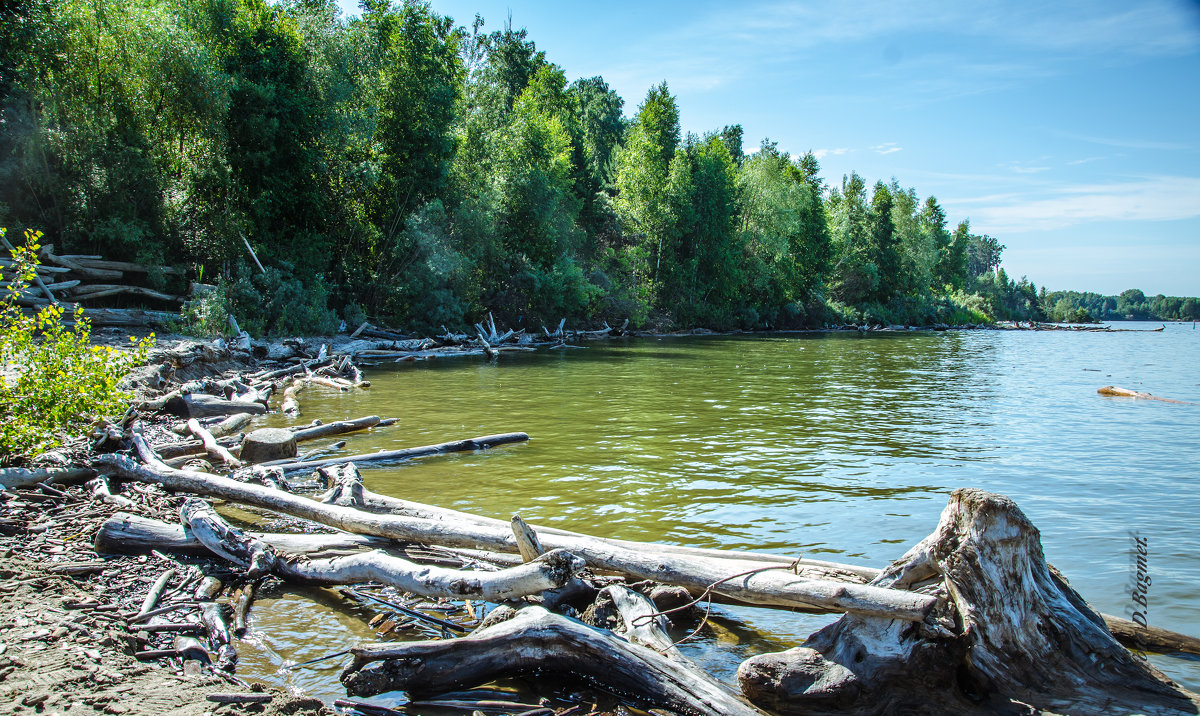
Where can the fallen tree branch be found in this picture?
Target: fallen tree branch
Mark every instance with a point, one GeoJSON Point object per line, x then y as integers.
{"type": "Point", "coordinates": [536, 640]}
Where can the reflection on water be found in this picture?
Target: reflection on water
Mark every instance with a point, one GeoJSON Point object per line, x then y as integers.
{"type": "Point", "coordinates": [840, 446]}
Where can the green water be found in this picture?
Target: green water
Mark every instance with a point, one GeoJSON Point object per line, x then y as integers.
{"type": "Point", "coordinates": [843, 447]}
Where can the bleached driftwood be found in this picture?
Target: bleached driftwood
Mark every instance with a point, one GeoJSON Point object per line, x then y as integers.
{"type": "Point", "coordinates": [1011, 633]}
{"type": "Point", "coordinates": [768, 586]}
{"type": "Point", "coordinates": [548, 572]}
{"type": "Point", "coordinates": [211, 447]}
{"type": "Point", "coordinates": [13, 477]}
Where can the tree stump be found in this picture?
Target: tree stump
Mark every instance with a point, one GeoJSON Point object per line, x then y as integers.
{"type": "Point", "coordinates": [266, 444]}
{"type": "Point", "coordinates": [1008, 634]}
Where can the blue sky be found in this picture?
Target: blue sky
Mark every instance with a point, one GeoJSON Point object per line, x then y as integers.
{"type": "Point", "coordinates": [1070, 131]}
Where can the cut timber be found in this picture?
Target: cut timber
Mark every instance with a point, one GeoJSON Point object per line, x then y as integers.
{"type": "Point", "coordinates": [267, 444]}
{"type": "Point", "coordinates": [1011, 633]}
{"type": "Point", "coordinates": [211, 447]}
{"type": "Point", "coordinates": [536, 640]}
{"type": "Point", "coordinates": [479, 443]}
{"type": "Point", "coordinates": [766, 586]}
{"type": "Point", "coordinates": [201, 405]}
{"type": "Point", "coordinates": [231, 425]}
{"type": "Point", "coordinates": [548, 572]}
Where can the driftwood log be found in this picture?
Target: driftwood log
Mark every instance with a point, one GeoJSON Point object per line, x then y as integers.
{"type": "Point", "coordinates": [549, 571]}
{"type": "Point", "coordinates": [125, 533]}
{"type": "Point", "coordinates": [765, 586]}
{"type": "Point", "coordinates": [1011, 635]}
{"type": "Point", "coordinates": [536, 640]}
{"type": "Point", "coordinates": [202, 405]}
{"type": "Point", "coordinates": [479, 443]}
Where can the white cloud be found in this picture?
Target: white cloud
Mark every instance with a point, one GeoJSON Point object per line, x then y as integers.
{"type": "Point", "coordinates": [886, 148]}
{"type": "Point", "coordinates": [822, 153]}
{"type": "Point", "coordinates": [1157, 198]}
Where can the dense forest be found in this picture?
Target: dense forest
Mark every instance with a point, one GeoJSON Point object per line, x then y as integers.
{"type": "Point", "coordinates": [399, 166]}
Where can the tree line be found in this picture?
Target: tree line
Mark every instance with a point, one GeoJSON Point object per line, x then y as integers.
{"type": "Point", "coordinates": [401, 166]}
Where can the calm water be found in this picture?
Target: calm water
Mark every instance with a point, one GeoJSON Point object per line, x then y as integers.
{"type": "Point", "coordinates": [843, 447]}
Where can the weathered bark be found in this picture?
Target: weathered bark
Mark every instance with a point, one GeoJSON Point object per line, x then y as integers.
{"type": "Point", "coordinates": [268, 444]}
{"type": "Point", "coordinates": [766, 586]}
{"type": "Point", "coordinates": [1012, 633]}
{"type": "Point", "coordinates": [479, 443]}
{"type": "Point", "coordinates": [551, 570]}
{"type": "Point", "coordinates": [536, 640]}
{"type": "Point", "coordinates": [345, 485]}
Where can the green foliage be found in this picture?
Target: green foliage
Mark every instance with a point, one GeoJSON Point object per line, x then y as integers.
{"type": "Point", "coordinates": [54, 382]}
{"type": "Point", "coordinates": [206, 315]}
{"type": "Point", "coordinates": [398, 166]}
{"type": "Point", "coordinates": [276, 303]}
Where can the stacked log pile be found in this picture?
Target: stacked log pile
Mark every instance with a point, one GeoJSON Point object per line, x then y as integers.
{"type": "Point", "coordinates": [70, 280]}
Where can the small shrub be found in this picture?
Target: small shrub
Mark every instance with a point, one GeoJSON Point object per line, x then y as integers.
{"type": "Point", "coordinates": [207, 315]}
{"type": "Point", "coordinates": [54, 382]}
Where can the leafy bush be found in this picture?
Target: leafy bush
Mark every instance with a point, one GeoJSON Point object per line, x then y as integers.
{"type": "Point", "coordinates": [276, 303]}
{"type": "Point", "coordinates": [207, 315]}
{"type": "Point", "coordinates": [54, 381]}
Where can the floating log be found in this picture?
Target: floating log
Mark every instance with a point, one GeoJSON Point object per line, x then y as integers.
{"type": "Point", "coordinates": [536, 640]}
{"type": "Point", "coordinates": [820, 569]}
{"type": "Point", "coordinates": [479, 443]}
{"type": "Point", "coordinates": [268, 444]}
{"type": "Point", "coordinates": [550, 571]}
{"type": "Point", "coordinates": [763, 585]}
{"type": "Point", "coordinates": [1113, 391]}
{"type": "Point", "coordinates": [337, 428]}
{"type": "Point", "coordinates": [1011, 635]}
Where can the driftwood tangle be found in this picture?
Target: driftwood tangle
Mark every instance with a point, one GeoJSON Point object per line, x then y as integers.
{"type": "Point", "coordinates": [536, 640]}
{"type": "Point", "coordinates": [1018, 637]}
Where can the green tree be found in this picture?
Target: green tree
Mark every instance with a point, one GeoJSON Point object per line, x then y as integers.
{"type": "Point", "coordinates": [643, 169]}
